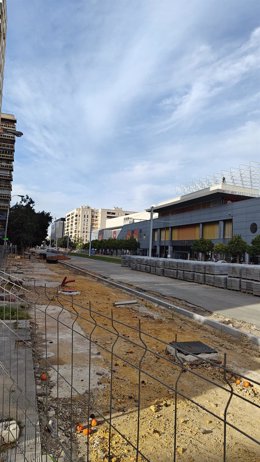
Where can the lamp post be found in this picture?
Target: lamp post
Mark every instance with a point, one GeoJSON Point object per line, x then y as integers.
{"type": "Point", "coordinates": [151, 232]}
{"type": "Point", "coordinates": [90, 236]}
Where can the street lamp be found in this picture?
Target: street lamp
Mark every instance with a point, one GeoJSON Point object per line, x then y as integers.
{"type": "Point", "coordinates": [151, 232]}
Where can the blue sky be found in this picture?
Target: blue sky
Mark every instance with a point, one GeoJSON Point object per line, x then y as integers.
{"type": "Point", "coordinates": [121, 102]}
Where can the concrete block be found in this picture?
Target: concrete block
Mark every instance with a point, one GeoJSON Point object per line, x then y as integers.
{"type": "Point", "coordinates": [246, 286]}
{"type": "Point", "coordinates": [173, 264]}
{"type": "Point", "coordinates": [159, 271]}
{"type": "Point", "coordinates": [209, 279]}
{"type": "Point", "coordinates": [234, 270]}
{"type": "Point", "coordinates": [180, 274]}
{"type": "Point", "coordinates": [152, 262]}
{"type": "Point", "coordinates": [199, 267]}
{"type": "Point", "coordinates": [147, 268]}
{"type": "Point", "coordinates": [220, 281]}
{"type": "Point", "coordinates": [187, 265]}
{"type": "Point", "coordinates": [153, 270]}
{"type": "Point", "coordinates": [233, 283]}
{"type": "Point", "coordinates": [160, 263]}
{"type": "Point", "coordinates": [169, 273]}
{"type": "Point", "coordinates": [256, 288]}
{"type": "Point", "coordinates": [181, 264]}
{"type": "Point", "coordinates": [188, 276]}
{"type": "Point", "coordinates": [251, 272]}
{"type": "Point", "coordinates": [142, 267]}
{"type": "Point", "coordinates": [199, 278]}
{"type": "Point", "coordinates": [216, 268]}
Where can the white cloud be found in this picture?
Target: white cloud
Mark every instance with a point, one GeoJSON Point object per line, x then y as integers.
{"type": "Point", "coordinates": [122, 102]}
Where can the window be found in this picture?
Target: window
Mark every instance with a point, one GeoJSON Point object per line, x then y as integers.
{"type": "Point", "coordinates": [253, 228]}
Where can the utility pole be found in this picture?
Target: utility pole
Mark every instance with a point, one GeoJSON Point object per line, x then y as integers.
{"type": "Point", "coordinates": [151, 233]}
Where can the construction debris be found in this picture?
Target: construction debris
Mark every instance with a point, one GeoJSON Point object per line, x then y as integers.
{"type": "Point", "coordinates": [9, 432]}
{"type": "Point", "coordinates": [126, 302]}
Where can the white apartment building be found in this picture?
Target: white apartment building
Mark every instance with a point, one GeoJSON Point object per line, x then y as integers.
{"type": "Point", "coordinates": [84, 222]}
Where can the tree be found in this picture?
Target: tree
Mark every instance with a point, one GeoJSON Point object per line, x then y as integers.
{"type": "Point", "coordinates": [26, 227]}
{"type": "Point", "coordinates": [203, 246]}
{"type": "Point", "coordinates": [220, 249]}
{"type": "Point", "coordinates": [65, 242]}
{"type": "Point", "coordinates": [237, 247]}
{"type": "Point", "coordinates": [254, 248]}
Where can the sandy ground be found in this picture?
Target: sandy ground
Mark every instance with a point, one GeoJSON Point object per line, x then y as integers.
{"type": "Point", "coordinates": [138, 334]}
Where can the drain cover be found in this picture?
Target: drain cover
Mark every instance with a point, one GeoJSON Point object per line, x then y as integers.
{"type": "Point", "coordinates": [193, 348]}
{"type": "Point", "coordinates": [191, 351]}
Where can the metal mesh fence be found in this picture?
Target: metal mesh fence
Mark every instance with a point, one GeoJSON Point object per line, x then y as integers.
{"type": "Point", "coordinates": [81, 385]}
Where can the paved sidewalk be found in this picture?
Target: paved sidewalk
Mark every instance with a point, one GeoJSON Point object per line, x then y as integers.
{"type": "Point", "coordinates": [18, 393]}
{"type": "Point", "coordinates": [231, 304]}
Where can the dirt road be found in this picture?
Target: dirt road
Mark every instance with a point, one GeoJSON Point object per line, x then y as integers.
{"type": "Point", "coordinates": [142, 406]}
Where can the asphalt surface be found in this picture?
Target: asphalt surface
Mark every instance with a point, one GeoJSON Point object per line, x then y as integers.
{"type": "Point", "coordinates": [231, 304]}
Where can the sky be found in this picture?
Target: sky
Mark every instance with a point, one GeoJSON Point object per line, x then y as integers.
{"type": "Point", "coordinates": [122, 102]}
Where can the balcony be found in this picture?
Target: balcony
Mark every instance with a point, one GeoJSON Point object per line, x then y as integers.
{"type": "Point", "coordinates": [6, 155]}
{"type": "Point", "coordinates": [5, 175]}
{"type": "Point", "coordinates": [5, 166]}
{"type": "Point", "coordinates": [6, 146]}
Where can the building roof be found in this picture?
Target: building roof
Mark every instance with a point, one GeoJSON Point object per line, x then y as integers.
{"type": "Point", "coordinates": [221, 189]}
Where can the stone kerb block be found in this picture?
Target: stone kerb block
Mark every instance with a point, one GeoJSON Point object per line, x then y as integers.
{"type": "Point", "coordinates": [170, 273]}
{"type": "Point", "coordinates": [188, 276]}
{"type": "Point", "coordinates": [199, 278]}
{"type": "Point", "coordinates": [152, 262]}
{"type": "Point", "coordinates": [160, 262]}
{"type": "Point", "coordinates": [147, 268]}
{"type": "Point", "coordinates": [209, 279]}
{"type": "Point", "coordinates": [199, 267]}
{"type": "Point", "coordinates": [233, 283]}
{"type": "Point", "coordinates": [173, 264]}
{"type": "Point", "coordinates": [159, 271]}
{"type": "Point", "coordinates": [124, 261]}
{"type": "Point", "coordinates": [180, 274]}
{"type": "Point", "coordinates": [153, 270]}
{"type": "Point", "coordinates": [256, 288]}
{"type": "Point", "coordinates": [216, 268]}
{"type": "Point", "coordinates": [234, 270]}
{"type": "Point", "coordinates": [142, 267]}
{"type": "Point", "coordinates": [220, 281]}
{"type": "Point", "coordinates": [180, 264]}
{"type": "Point", "coordinates": [251, 272]}
{"type": "Point", "coordinates": [187, 265]}
{"type": "Point", "coordinates": [246, 286]}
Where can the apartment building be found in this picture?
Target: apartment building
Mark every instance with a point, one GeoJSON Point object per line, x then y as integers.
{"type": "Point", "coordinates": [3, 25]}
{"type": "Point", "coordinates": [57, 229]}
{"type": "Point", "coordinates": [84, 222]}
{"type": "Point", "coordinates": [7, 148]}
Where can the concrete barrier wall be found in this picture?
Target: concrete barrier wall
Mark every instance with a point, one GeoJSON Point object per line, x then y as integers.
{"type": "Point", "coordinates": [244, 278]}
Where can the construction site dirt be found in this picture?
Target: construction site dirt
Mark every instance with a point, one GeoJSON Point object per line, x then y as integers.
{"type": "Point", "coordinates": [111, 362]}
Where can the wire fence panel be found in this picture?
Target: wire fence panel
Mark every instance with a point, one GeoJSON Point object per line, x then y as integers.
{"type": "Point", "coordinates": [81, 385]}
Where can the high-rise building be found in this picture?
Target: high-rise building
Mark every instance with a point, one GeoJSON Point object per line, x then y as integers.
{"type": "Point", "coordinates": [7, 148]}
{"type": "Point", "coordinates": [2, 45]}
{"type": "Point", "coordinates": [57, 229]}
{"type": "Point", "coordinates": [84, 222]}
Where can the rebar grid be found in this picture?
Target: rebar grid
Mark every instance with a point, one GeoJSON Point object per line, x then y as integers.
{"type": "Point", "coordinates": [61, 400]}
